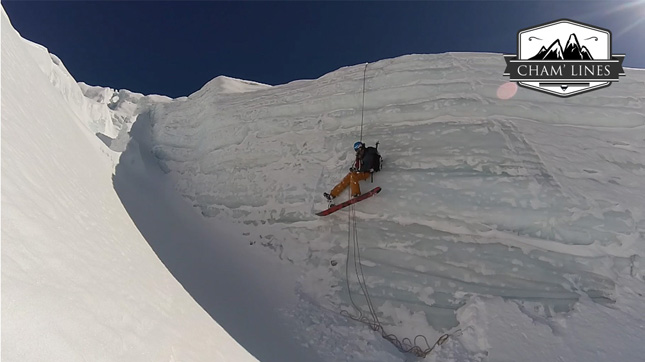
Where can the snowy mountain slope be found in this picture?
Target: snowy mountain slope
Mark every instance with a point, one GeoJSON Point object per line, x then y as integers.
{"type": "Point", "coordinates": [513, 215]}
{"type": "Point", "coordinates": [522, 196]}
{"type": "Point", "coordinates": [79, 282]}
{"type": "Point", "coordinates": [228, 85]}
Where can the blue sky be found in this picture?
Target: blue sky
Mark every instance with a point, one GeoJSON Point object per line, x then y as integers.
{"type": "Point", "coordinates": [174, 48]}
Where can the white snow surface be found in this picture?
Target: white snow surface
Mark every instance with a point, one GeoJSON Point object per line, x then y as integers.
{"type": "Point", "coordinates": [514, 216]}
{"type": "Point", "coordinates": [79, 282]}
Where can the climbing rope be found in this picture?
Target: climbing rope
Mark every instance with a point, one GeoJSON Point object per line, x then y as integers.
{"type": "Point", "coordinates": [363, 104]}
{"type": "Point", "coordinates": [405, 345]}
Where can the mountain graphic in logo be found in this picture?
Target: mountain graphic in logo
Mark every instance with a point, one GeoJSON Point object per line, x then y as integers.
{"type": "Point", "coordinates": [572, 51]}
{"type": "Point", "coordinates": [563, 69]}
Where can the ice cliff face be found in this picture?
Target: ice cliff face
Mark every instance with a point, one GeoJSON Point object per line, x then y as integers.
{"type": "Point", "coordinates": [532, 198]}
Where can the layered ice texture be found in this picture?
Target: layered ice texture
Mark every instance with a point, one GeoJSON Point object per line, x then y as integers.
{"type": "Point", "coordinates": [534, 198]}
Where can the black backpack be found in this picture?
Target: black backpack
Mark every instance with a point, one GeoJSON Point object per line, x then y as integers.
{"type": "Point", "coordinates": [372, 154]}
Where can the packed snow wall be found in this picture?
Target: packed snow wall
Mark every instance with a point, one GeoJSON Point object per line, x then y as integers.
{"type": "Point", "coordinates": [486, 191]}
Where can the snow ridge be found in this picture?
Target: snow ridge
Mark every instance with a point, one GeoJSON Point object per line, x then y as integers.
{"type": "Point", "coordinates": [79, 282]}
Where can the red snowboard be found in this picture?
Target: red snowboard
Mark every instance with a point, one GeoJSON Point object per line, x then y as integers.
{"type": "Point", "coordinates": [351, 201]}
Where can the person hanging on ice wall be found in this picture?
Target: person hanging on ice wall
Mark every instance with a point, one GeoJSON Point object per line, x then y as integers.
{"type": "Point", "coordinates": [367, 162]}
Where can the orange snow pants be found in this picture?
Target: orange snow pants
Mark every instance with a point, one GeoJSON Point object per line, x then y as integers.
{"type": "Point", "coordinates": [350, 180]}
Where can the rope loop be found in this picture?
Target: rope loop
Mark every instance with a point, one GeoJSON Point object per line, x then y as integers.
{"type": "Point", "coordinates": [371, 320]}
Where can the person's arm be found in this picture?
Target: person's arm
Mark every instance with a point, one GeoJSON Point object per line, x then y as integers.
{"type": "Point", "coordinates": [357, 164]}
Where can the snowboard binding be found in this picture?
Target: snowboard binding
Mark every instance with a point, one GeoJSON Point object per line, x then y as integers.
{"type": "Point", "coordinates": [329, 198]}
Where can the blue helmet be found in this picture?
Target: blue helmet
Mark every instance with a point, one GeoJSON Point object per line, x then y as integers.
{"type": "Point", "coordinates": [358, 145]}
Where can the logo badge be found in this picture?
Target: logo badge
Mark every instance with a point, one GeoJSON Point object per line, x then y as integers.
{"type": "Point", "coordinates": [565, 58]}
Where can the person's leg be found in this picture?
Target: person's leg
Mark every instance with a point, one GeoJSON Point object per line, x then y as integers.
{"type": "Point", "coordinates": [355, 177]}
{"type": "Point", "coordinates": [341, 186]}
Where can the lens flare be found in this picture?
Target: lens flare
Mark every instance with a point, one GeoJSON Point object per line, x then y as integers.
{"type": "Point", "coordinates": [507, 90]}
{"type": "Point", "coordinates": [631, 15]}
